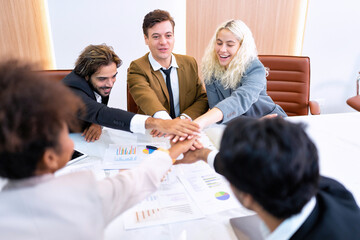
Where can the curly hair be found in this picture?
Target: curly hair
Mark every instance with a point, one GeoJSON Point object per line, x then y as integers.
{"type": "Point", "coordinates": [93, 57]}
{"type": "Point", "coordinates": [33, 112]}
{"type": "Point", "coordinates": [155, 17]}
{"type": "Point", "coordinates": [230, 77]}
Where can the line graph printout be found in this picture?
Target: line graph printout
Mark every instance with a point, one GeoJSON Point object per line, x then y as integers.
{"type": "Point", "coordinates": [208, 189]}
{"type": "Point", "coordinates": [168, 205]}
{"type": "Point", "coordinates": [127, 156]}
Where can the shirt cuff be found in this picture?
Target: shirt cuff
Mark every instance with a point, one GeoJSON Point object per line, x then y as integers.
{"type": "Point", "coordinates": [137, 123]}
{"type": "Point", "coordinates": [187, 116]}
{"type": "Point", "coordinates": [162, 115]}
{"type": "Point", "coordinates": [211, 158]}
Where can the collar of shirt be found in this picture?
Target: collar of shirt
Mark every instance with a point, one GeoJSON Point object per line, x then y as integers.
{"type": "Point", "coordinates": [98, 97]}
{"type": "Point", "coordinates": [288, 227]}
{"type": "Point", "coordinates": [156, 66]}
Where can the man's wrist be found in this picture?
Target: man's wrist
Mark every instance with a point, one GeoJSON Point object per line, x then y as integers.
{"type": "Point", "coordinates": [151, 123]}
{"type": "Point", "coordinates": [203, 154]}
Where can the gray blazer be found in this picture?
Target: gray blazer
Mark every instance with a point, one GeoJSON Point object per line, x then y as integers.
{"type": "Point", "coordinates": [249, 98]}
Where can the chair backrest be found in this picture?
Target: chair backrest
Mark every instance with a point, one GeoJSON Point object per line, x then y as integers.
{"type": "Point", "coordinates": [288, 83]}
{"type": "Point", "coordinates": [56, 75]}
{"type": "Point", "coordinates": [131, 105]}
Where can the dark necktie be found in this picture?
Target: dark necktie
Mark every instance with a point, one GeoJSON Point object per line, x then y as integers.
{"type": "Point", "coordinates": [168, 85]}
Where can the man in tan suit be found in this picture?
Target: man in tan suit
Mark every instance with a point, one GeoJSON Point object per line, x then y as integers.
{"type": "Point", "coordinates": [147, 76]}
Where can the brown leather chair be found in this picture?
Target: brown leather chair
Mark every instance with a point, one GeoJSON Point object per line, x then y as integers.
{"type": "Point", "coordinates": [56, 75]}
{"type": "Point", "coordinates": [354, 102]}
{"type": "Point", "coordinates": [131, 105]}
{"type": "Point", "coordinates": [288, 83]}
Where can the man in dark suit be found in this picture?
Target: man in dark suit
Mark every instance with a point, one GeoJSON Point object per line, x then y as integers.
{"type": "Point", "coordinates": [147, 76]}
{"type": "Point", "coordinates": [273, 169]}
{"type": "Point", "coordinates": [92, 80]}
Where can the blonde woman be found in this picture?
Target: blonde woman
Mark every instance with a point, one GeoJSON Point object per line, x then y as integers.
{"type": "Point", "coordinates": [234, 77]}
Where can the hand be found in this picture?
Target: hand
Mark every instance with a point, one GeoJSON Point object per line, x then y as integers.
{"type": "Point", "coordinates": [92, 133]}
{"type": "Point", "coordinates": [156, 133]}
{"type": "Point", "coordinates": [196, 144]}
{"type": "Point", "coordinates": [174, 139]}
{"type": "Point", "coordinates": [194, 156]}
{"type": "Point", "coordinates": [181, 147]}
{"type": "Point", "coordinates": [179, 127]}
{"type": "Point", "coordinates": [269, 116]}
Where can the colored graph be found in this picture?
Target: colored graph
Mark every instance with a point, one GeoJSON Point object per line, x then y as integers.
{"type": "Point", "coordinates": [222, 195]}
{"type": "Point", "coordinates": [126, 150]}
{"type": "Point", "coordinates": [149, 149]}
{"type": "Point", "coordinates": [164, 212]}
{"type": "Point", "coordinates": [211, 180]}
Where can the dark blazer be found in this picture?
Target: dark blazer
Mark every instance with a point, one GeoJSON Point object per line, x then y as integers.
{"type": "Point", "coordinates": [335, 216]}
{"type": "Point", "coordinates": [148, 87]}
{"type": "Point", "coordinates": [98, 113]}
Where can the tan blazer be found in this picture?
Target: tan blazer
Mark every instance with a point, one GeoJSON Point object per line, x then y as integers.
{"type": "Point", "coordinates": [148, 87]}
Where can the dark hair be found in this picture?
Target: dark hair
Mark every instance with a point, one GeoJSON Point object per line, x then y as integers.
{"type": "Point", "coordinates": [155, 17]}
{"type": "Point", "coordinates": [33, 111]}
{"type": "Point", "coordinates": [93, 57]}
{"type": "Point", "coordinates": [271, 159]}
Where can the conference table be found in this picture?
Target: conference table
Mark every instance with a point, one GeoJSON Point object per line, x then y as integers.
{"type": "Point", "coordinates": [335, 135]}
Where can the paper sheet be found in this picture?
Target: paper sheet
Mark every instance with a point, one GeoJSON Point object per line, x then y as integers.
{"type": "Point", "coordinates": [168, 205]}
{"type": "Point", "coordinates": [208, 189]}
{"type": "Point", "coordinates": [128, 156]}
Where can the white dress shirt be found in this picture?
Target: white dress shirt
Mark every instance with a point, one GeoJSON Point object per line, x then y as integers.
{"type": "Point", "coordinates": [288, 227]}
{"type": "Point", "coordinates": [174, 85]}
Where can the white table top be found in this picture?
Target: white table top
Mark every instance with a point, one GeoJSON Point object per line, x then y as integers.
{"type": "Point", "coordinates": [335, 135]}
{"type": "Point", "coordinates": [215, 226]}
{"type": "Point", "coordinates": [337, 138]}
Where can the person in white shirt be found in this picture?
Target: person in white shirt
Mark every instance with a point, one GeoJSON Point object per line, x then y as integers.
{"type": "Point", "coordinates": [34, 143]}
{"type": "Point", "coordinates": [273, 168]}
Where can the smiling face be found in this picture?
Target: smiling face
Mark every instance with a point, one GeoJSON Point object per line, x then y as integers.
{"type": "Point", "coordinates": [226, 47]}
{"type": "Point", "coordinates": [103, 79]}
{"type": "Point", "coordinates": [160, 39]}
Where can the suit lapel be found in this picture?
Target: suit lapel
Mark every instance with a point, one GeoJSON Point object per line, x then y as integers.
{"type": "Point", "coordinates": [158, 77]}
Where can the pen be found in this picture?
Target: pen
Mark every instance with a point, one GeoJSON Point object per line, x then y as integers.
{"type": "Point", "coordinates": [151, 147]}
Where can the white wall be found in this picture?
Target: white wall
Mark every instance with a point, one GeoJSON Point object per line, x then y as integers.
{"type": "Point", "coordinates": [118, 23]}
{"type": "Point", "coordinates": [332, 41]}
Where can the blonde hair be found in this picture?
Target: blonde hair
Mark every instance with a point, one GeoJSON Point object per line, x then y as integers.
{"type": "Point", "coordinates": [230, 77]}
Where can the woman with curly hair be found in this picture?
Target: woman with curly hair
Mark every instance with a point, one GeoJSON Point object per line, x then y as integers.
{"type": "Point", "coordinates": [234, 77]}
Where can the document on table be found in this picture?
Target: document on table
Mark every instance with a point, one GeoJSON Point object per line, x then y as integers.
{"type": "Point", "coordinates": [128, 156]}
{"type": "Point", "coordinates": [168, 205]}
{"type": "Point", "coordinates": [208, 189]}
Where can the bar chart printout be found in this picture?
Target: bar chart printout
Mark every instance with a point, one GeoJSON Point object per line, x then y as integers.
{"type": "Point", "coordinates": [125, 156]}
{"type": "Point", "coordinates": [168, 205]}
